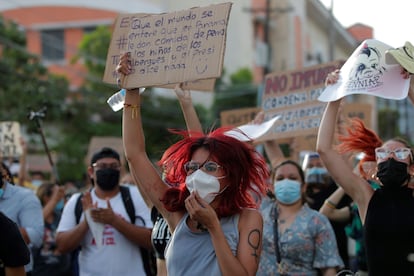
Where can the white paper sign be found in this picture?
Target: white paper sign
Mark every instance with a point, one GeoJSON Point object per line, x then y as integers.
{"type": "Point", "coordinates": [249, 132]}
{"type": "Point", "coordinates": [96, 228]}
{"type": "Point", "coordinates": [365, 72]}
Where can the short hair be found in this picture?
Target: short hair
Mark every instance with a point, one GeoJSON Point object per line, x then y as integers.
{"type": "Point", "coordinates": [105, 152]}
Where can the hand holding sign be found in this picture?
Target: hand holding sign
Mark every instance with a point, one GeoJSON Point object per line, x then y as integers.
{"type": "Point", "coordinates": [170, 48]}
{"type": "Point", "coordinates": [365, 72]}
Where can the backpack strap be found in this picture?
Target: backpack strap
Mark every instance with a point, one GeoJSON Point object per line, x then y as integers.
{"type": "Point", "coordinates": [148, 259]}
{"type": "Point", "coordinates": [78, 208]}
{"type": "Point", "coordinates": [128, 203]}
{"type": "Point", "coordinates": [126, 199]}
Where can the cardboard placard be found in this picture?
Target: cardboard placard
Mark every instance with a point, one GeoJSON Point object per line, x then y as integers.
{"type": "Point", "coordinates": [10, 139]}
{"type": "Point", "coordinates": [170, 48]}
{"type": "Point", "coordinates": [293, 95]}
{"type": "Point", "coordinates": [99, 142]}
{"type": "Point", "coordinates": [361, 110]}
{"type": "Point", "coordinates": [238, 117]}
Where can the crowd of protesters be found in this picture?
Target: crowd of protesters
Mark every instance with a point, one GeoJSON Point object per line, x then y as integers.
{"type": "Point", "coordinates": [216, 206]}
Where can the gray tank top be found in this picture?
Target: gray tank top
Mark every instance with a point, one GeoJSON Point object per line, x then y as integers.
{"type": "Point", "coordinates": [192, 253]}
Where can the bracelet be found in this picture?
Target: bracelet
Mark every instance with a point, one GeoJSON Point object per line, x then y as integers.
{"type": "Point", "coordinates": [330, 204]}
{"type": "Point", "coordinates": [134, 109]}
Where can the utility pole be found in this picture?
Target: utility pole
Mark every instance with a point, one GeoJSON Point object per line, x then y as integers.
{"type": "Point", "coordinates": [331, 33]}
{"type": "Point", "coordinates": [266, 69]}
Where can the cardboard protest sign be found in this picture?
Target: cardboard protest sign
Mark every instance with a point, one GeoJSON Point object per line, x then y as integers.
{"type": "Point", "coordinates": [10, 139]}
{"type": "Point", "coordinates": [237, 117]}
{"type": "Point", "coordinates": [361, 110]}
{"type": "Point", "coordinates": [293, 95]}
{"type": "Point", "coordinates": [98, 142]}
{"type": "Point", "coordinates": [366, 72]}
{"type": "Point", "coordinates": [183, 46]}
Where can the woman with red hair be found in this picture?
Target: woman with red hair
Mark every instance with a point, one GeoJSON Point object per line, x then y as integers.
{"type": "Point", "coordinates": [388, 212]}
{"type": "Point", "coordinates": [211, 208]}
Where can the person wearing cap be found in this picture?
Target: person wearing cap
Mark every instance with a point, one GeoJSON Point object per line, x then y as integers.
{"type": "Point", "coordinates": [320, 186]}
{"type": "Point", "coordinates": [404, 56]}
{"type": "Point", "coordinates": [386, 213]}
{"type": "Point", "coordinates": [105, 216]}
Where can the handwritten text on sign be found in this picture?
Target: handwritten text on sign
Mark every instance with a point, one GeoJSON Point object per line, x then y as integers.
{"type": "Point", "coordinates": [10, 139]}
{"type": "Point", "coordinates": [170, 48]}
{"type": "Point", "coordinates": [293, 96]}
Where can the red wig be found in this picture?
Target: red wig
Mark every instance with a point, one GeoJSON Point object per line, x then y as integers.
{"type": "Point", "coordinates": [359, 139]}
{"type": "Point", "coordinates": [244, 167]}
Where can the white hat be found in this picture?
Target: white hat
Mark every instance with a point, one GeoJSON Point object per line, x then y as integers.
{"type": "Point", "coordinates": [403, 56]}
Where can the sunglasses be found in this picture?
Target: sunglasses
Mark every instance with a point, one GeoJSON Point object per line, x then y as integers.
{"type": "Point", "coordinates": [400, 153]}
{"type": "Point", "coordinates": [208, 166]}
{"type": "Point", "coordinates": [103, 166]}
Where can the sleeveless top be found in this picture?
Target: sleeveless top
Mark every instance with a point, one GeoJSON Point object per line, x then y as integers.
{"type": "Point", "coordinates": [192, 253]}
{"type": "Point", "coordinates": [160, 234]}
{"type": "Point", "coordinates": [389, 232]}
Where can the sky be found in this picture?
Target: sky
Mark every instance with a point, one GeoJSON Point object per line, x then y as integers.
{"type": "Point", "coordinates": [392, 20]}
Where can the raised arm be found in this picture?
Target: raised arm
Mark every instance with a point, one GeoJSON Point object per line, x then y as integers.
{"type": "Point", "coordinates": [190, 116]}
{"type": "Point", "coordinates": [329, 207]}
{"type": "Point", "coordinates": [337, 166]}
{"type": "Point", "coordinates": [411, 90]}
{"type": "Point", "coordinates": [272, 148]}
{"type": "Point", "coordinates": [134, 145]}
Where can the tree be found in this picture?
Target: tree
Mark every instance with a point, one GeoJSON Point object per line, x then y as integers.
{"type": "Point", "coordinates": [91, 116]}
{"type": "Point", "coordinates": [24, 82]}
{"type": "Point", "coordinates": [388, 123]}
{"type": "Point", "coordinates": [240, 92]}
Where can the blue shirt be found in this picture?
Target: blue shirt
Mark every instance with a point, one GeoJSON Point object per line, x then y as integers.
{"type": "Point", "coordinates": [23, 207]}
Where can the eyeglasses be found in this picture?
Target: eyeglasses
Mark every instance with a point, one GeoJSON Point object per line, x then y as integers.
{"type": "Point", "coordinates": [400, 153]}
{"type": "Point", "coordinates": [208, 166]}
{"type": "Point", "coordinates": [102, 166]}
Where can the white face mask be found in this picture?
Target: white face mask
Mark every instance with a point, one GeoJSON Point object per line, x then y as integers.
{"type": "Point", "coordinates": [207, 186]}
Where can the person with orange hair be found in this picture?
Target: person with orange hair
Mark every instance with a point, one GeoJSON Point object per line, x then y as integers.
{"type": "Point", "coordinates": [216, 227]}
{"type": "Point", "coordinates": [387, 213]}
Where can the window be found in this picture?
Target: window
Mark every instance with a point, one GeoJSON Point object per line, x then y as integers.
{"type": "Point", "coordinates": [53, 45]}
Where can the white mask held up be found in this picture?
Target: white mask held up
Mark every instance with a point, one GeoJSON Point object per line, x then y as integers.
{"type": "Point", "coordinates": [207, 186]}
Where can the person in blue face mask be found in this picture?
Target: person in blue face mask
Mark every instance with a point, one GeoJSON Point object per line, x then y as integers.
{"type": "Point", "coordinates": [296, 239]}
{"type": "Point", "coordinates": [47, 259]}
{"type": "Point", "coordinates": [320, 186]}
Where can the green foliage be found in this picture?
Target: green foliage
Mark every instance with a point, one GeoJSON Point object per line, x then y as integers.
{"type": "Point", "coordinates": [388, 123]}
{"type": "Point", "coordinates": [25, 83]}
{"type": "Point", "coordinates": [239, 93]}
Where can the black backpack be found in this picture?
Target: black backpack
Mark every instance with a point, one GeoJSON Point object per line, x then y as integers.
{"type": "Point", "coordinates": [148, 257]}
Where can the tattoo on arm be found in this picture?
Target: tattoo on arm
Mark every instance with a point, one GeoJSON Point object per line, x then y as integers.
{"type": "Point", "coordinates": [254, 241]}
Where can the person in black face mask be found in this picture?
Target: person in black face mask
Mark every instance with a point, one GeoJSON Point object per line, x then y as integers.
{"type": "Point", "coordinates": [387, 213]}
{"type": "Point", "coordinates": [111, 237]}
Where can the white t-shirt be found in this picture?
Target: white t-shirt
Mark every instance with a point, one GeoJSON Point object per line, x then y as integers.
{"type": "Point", "coordinates": [117, 255]}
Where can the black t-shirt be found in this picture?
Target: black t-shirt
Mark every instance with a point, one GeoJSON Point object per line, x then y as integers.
{"type": "Point", "coordinates": [160, 234]}
{"type": "Point", "coordinates": [13, 250]}
{"type": "Point", "coordinates": [389, 232]}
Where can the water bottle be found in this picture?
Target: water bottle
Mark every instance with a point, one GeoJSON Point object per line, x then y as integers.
{"type": "Point", "coordinates": [116, 101]}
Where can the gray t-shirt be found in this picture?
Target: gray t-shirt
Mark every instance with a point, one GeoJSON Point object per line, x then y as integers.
{"type": "Point", "coordinates": [192, 253]}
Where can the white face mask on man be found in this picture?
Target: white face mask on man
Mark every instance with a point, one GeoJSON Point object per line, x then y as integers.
{"type": "Point", "coordinates": [207, 186]}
